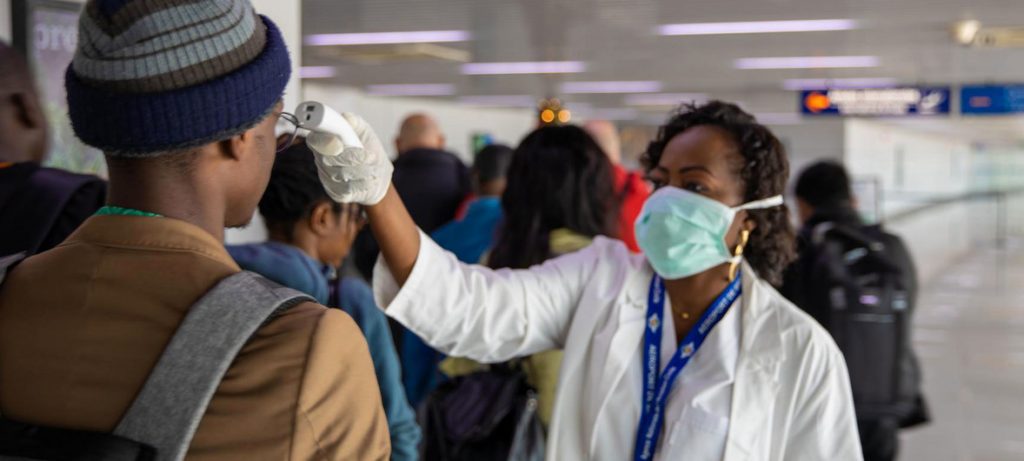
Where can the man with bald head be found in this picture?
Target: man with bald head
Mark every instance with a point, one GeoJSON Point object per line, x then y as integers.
{"type": "Point", "coordinates": [419, 131]}
{"type": "Point", "coordinates": [432, 182]}
{"type": "Point", "coordinates": [39, 207]}
{"type": "Point", "coordinates": [632, 188]}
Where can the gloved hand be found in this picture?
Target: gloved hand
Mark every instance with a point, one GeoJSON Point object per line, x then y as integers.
{"type": "Point", "coordinates": [355, 175]}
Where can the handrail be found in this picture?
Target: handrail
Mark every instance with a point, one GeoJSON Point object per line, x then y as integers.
{"type": "Point", "coordinates": [999, 195]}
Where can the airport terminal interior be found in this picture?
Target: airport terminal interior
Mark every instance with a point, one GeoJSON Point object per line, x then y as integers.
{"type": "Point", "coordinates": [921, 102]}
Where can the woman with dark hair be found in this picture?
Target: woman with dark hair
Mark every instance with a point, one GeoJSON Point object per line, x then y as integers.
{"type": "Point", "coordinates": [560, 195]}
{"type": "Point", "coordinates": [560, 187]}
{"type": "Point", "coordinates": [685, 352]}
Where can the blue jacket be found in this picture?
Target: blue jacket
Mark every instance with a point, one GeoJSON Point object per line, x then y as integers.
{"type": "Point", "coordinates": [468, 238]}
{"type": "Point", "coordinates": [471, 236]}
{"type": "Point", "coordinates": [289, 266]}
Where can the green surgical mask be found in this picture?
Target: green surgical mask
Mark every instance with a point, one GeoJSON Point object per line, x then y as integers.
{"type": "Point", "coordinates": [682, 233]}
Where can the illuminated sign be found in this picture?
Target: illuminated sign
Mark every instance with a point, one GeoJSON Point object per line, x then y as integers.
{"type": "Point", "coordinates": [992, 99]}
{"type": "Point", "coordinates": [876, 102]}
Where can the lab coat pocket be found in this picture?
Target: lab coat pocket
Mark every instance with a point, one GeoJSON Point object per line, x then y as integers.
{"type": "Point", "coordinates": [696, 435]}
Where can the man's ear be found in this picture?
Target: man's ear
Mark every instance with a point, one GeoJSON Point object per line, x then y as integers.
{"type": "Point", "coordinates": [321, 220]}
{"type": "Point", "coordinates": [28, 110]}
{"type": "Point", "coordinates": [442, 141]}
{"type": "Point", "coordinates": [239, 145]}
{"type": "Point", "coordinates": [804, 210]}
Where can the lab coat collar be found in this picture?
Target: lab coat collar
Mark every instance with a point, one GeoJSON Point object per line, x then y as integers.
{"type": "Point", "coordinates": [761, 354]}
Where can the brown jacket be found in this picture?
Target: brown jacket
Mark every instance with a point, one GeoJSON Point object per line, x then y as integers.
{"type": "Point", "coordinates": [82, 325]}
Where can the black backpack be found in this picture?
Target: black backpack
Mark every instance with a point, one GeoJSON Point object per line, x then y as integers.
{"type": "Point", "coordinates": [861, 288]}
{"type": "Point", "coordinates": [488, 415]}
{"type": "Point", "coordinates": [33, 200]}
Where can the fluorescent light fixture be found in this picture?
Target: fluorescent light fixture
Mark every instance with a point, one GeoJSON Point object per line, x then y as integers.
{"type": "Point", "coordinates": [317, 72]}
{"type": "Point", "coordinates": [797, 84]}
{"type": "Point", "coordinates": [778, 118]}
{"type": "Point", "coordinates": [664, 99]}
{"type": "Point", "coordinates": [412, 89]}
{"type": "Point", "coordinates": [500, 100]}
{"type": "Point", "coordinates": [612, 114]}
{"type": "Point", "coordinates": [512, 68]}
{"type": "Point", "coordinates": [385, 38]}
{"type": "Point", "coordinates": [807, 62]}
{"type": "Point", "coordinates": [611, 87]}
{"type": "Point", "coordinates": [757, 27]}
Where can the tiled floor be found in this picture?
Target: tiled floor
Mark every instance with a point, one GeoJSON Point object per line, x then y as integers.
{"type": "Point", "coordinates": [969, 335]}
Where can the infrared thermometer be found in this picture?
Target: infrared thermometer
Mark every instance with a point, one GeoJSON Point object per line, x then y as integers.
{"type": "Point", "coordinates": [330, 134]}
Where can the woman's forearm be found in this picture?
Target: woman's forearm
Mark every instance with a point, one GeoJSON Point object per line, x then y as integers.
{"type": "Point", "coordinates": [396, 233]}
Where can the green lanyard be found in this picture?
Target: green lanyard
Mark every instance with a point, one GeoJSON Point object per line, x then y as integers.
{"type": "Point", "coordinates": [119, 211]}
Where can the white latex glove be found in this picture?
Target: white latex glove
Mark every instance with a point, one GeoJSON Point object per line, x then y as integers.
{"type": "Point", "coordinates": [354, 175]}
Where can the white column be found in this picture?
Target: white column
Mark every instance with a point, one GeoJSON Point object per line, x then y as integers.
{"type": "Point", "coordinates": [5, 20]}
{"type": "Point", "coordinates": [287, 14]}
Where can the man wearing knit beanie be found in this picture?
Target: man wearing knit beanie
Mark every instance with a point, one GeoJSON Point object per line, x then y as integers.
{"type": "Point", "coordinates": [183, 96]}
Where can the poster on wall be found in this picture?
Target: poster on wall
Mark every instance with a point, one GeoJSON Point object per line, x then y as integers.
{"type": "Point", "coordinates": [479, 141]}
{"type": "Point", "coordinates": [992, 99]}
{"type": "Point", "coordinates": [46, 31]}
{"type": "Point", "coordinates": [876, 102]}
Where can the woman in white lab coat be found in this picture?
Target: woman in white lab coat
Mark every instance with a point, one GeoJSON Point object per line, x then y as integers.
{"type": "Point", "coordinates": [741, 374]}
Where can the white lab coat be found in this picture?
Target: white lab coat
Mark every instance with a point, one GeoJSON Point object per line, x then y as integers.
{"type": "Point", "coordinates": [791, 400]}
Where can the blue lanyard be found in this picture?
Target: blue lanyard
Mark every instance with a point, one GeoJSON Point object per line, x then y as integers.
{"type": "Point", "coordinates": [657, 387]}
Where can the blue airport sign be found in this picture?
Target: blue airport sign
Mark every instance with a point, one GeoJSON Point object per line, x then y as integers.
{"type": "Point", "coordinates": [992, 99]}
{"type": "Point", "coordinates": [876, 102]}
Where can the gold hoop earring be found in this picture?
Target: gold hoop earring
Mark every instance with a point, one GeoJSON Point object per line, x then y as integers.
{"type": "Point", "coordinates": [738, 253]}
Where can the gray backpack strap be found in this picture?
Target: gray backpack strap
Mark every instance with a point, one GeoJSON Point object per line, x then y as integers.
{"type": "Point", "coordinates": [167, 411]}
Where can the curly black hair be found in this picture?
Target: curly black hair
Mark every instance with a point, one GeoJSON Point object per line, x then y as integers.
{"type": "Point", "coordinates": [764, 174]}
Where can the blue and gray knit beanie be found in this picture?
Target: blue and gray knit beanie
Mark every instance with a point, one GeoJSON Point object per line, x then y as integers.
{"type": "Point", "coordinates": [157, 76]}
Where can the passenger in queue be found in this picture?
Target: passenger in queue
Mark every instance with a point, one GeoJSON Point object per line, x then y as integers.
{"type": "Point", "coordinates": [188, 129]}
{"type": "Point", "coordinates": [309, 237]}
{"type": "Point", "coordinates": [39, 206]}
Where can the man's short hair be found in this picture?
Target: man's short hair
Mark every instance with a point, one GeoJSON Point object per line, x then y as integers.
{"type": "Point", "coordinates": [492, 162]}
{"type": "Point", "coordinates": [825, 184]}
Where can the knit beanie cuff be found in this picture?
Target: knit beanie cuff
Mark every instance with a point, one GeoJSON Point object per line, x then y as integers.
{"type": "Point", "coordinates": [130, 124]}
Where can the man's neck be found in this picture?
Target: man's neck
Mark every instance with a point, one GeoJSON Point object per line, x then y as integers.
{"type": "Point", "coordinates": [176, 197]}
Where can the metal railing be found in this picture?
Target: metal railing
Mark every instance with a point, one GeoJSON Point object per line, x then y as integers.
{"type": "Point", "coordinates": [1000, 197]}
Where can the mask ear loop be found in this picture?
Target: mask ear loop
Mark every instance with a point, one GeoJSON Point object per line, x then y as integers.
{"type": "Point", "coordinates": [738, 254]}
{"type": "Point", "coordinates": [769, 202]}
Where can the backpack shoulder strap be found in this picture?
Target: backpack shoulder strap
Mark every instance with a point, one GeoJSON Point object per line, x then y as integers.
{"type": "Point", "coordinates": [173, 400]}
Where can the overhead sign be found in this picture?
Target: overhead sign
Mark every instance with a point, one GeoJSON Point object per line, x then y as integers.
{"type": "Point", "coordinates": [875, 102]}
{"type": "Point", "coordinates": [992, 99]}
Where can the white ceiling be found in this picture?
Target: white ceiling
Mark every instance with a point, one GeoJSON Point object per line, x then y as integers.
{"type": "Point", "coordinates": [616, 39]}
